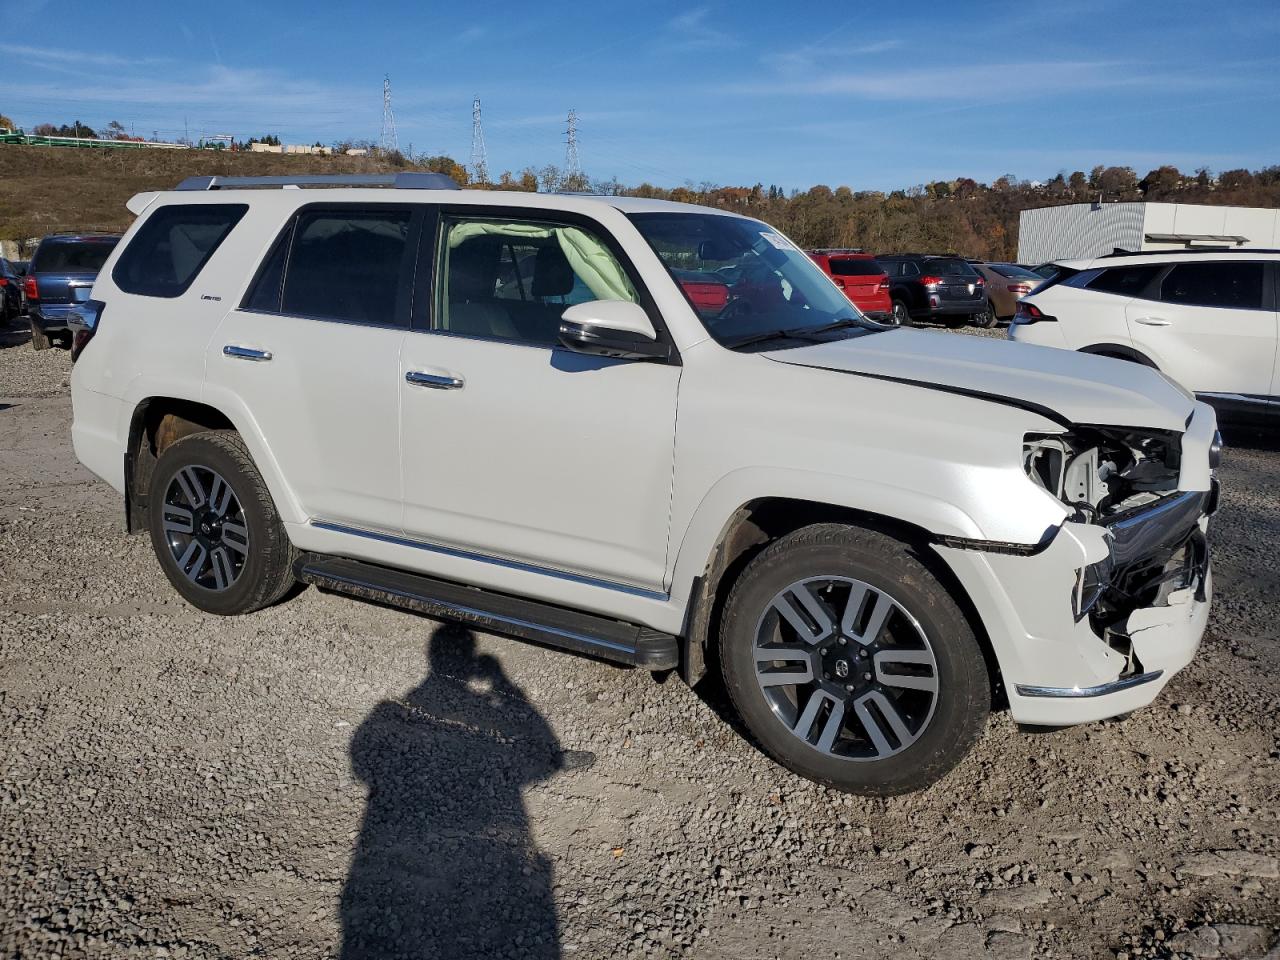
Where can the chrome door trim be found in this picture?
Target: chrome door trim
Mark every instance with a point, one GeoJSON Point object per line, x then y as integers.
{"type": "Point", "coordinates": [402, 541]}
{"type": "Point", "coordinates": [433, 380]}
{"type": "Point", "coordinates": [245, 353]}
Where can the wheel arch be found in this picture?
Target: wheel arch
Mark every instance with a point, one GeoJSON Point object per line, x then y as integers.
{"type": "Point", "coordinates": [157, 421]}
{"type": "Point", "coordinates": [762, 520]}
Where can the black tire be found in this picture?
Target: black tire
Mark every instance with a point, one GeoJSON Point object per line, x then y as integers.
{"type": "Point", "coordinates": [962, 699]}
{"type": "Point", "coordinates": [39, 340]}
{"type": "Point", "coordinates": [988, 318]}
{"type": "Point", "coordinates": [900, 314]}
{"type": "Point", "coordinates": [266, 571]}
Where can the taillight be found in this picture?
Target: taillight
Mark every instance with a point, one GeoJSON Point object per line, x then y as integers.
{"type": "Point", "coordinates": [929, 280]}
{"type": "Point", "coordinates": [1026, 312]}
{"type": "Point", "coordinates": [4, 281]}
{"type": "Point", "coordinates": [980, 281]}
{"type": "Point", "coordinates": [83, 322]}
{"type": "Point", "coordinates": [1019, 288]}
{"type": "Point", "coordinates": [30, 289]}
{"type": "Point", "coordinates": [839, 281]}
{"type": "Point", "coordinates": [706, 295]}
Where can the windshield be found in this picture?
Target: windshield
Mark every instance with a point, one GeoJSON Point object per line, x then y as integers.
{"type": "Point", "coordinates": [746, 281]}
{"type": "Point", "coordinates": [1015, 273]}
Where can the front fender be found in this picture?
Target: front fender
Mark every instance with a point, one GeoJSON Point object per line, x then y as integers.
{"type": "Point", "coordinates": [741, 487]}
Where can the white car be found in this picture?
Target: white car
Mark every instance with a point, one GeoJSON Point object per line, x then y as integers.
{"type": "Point", "coordinates": [1207, 318]}
{"type": "Point", "coordinates": [654, 433]}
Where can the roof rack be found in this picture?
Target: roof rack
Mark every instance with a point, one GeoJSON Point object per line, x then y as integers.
{"type": "Point", "coordinates": [1196, 251]}
{"type": "Point", "coordinates": [402, 181]}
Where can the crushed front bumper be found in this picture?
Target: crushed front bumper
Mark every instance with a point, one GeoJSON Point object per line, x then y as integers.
{"type": "Point", "coordinates": [1073, 647]}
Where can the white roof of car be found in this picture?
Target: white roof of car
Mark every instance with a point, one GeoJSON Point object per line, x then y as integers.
{"type": "Point", "coordinates": [1168, 256]}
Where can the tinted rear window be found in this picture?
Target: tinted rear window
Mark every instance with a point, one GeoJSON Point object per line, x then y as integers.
{"type": "Point", "coordinates": [949, 268]}
{"type": "Point", "coordinates": [348, 265]}
{"type": "Point", "coordinates": [168, 251]}
{"type": "Point", "coordinates": [853, 267]}
{"type": "Point", "coordinates": [1223, 284]}
{"type": "Point", "coordinates": [1125, 281]}
{"type": "Point", "coordinates": [73, 256]}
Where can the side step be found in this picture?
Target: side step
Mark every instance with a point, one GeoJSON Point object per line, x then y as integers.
{"type": "Point", "coordinates": [596, 636]}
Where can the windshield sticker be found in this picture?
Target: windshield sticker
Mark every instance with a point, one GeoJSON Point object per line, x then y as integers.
{"type": "Point", "coordinates": [777, 241]}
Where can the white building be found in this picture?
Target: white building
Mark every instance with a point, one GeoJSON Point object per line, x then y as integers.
{"type": "Point", "coordinates": [1077, 231]}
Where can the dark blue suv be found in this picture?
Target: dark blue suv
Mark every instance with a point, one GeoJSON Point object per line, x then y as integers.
{"type": "Point", "coordinates": [61, 275]}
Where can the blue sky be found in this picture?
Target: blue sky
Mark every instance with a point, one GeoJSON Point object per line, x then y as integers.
{"type": "Point", "coordinates": [872, 95]}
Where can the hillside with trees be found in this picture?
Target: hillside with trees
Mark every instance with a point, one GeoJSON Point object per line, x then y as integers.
{"type": "Point", "coordinates": [46, 189]}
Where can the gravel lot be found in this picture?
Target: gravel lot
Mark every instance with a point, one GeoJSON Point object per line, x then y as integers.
{"type": "Point", "coordinates": [329, 778]}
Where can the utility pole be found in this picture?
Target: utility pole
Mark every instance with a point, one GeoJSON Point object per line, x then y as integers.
{"type": "Point", "coordinates": [389, 140]}
{"type": "Point", "coordinates": [572, 162]}
{"type": "Point", "coordinates": [479, 156]}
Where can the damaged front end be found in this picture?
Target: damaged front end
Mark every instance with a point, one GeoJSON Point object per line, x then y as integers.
{"type": "Point", "coordinates": [1127, 483]}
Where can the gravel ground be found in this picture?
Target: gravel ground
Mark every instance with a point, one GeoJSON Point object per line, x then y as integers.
{"type": "Point", "coordinates": [330, 777]}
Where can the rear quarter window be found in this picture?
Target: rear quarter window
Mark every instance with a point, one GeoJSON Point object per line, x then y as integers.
{"type": "Point", "coordinates": [168, 252]}
{"type": "Point", "coordinates": [1131, 281]}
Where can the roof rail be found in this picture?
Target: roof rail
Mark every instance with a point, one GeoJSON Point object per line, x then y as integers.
{"type": "Point", "coordinates": [1194, 251]}
{"type": "Point", "coordinates": [403, 181]}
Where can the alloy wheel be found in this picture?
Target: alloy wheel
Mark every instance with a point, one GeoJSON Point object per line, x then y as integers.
{"type": "Point", "coordinates": [846, 668]}
{"type": "Point", "coordinates": [205, 528]}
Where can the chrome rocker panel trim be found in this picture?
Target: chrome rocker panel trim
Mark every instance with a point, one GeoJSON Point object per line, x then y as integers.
{"type": "Point", "coordinates": [1101, 690]}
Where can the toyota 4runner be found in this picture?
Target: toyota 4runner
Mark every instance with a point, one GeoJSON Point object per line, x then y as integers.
{"type": "Point", "coordinates": [524, 412]}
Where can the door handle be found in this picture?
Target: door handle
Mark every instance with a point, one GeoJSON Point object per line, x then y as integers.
{"type": "Point", "coordinates": [245, 353]}
{"type": "Point", "coordinates": [1153, 321]}
{"type": "Point", "coordinates": [435, 381]}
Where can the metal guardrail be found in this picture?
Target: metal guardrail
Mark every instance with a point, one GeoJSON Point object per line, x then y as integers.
{"type": "Point", "coordinates": [403, 181]}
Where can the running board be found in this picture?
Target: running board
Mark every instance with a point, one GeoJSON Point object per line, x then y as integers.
{"type": "Point", "coordinates": [596, 636]}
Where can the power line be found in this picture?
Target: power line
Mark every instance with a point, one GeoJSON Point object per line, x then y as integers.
{"type": "Point", "coordinates": [389, 140]}
{"type": "Point", "coordinates": [572, 161]}
{"type": "Point", "coordinates": [479, 156]}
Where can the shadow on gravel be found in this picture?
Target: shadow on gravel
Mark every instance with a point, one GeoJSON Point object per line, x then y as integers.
{"type": "Point", "coordinates": [445, 866]}
{"type": "Point", "coordinates": [14, 337]}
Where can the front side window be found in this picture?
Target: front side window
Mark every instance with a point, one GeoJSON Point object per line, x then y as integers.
{"type": "Point", "coordinates": [168, 252]}
{"type": "Point", "coordinates": [348, 265]}
{"type": "Point", "coordinates": [512, 279]}
{"type": "Point", "coordinates": [1229, 285]}
{"type": "Point", "coordinates": [746, 282]}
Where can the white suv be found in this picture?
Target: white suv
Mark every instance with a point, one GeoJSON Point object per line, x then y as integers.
{"type": "Point", "coordinates": [1207, 318]}
{"type": "Point", "coordinates": [654, 433]}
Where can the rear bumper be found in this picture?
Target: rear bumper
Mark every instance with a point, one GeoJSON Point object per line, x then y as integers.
{"type": "Point", "coordinates": [51, 318]}
{"type": "Point", "coordinates": [950, 308]}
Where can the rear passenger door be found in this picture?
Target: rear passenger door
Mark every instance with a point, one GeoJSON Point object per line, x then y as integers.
{"type": "Point", "coordinates": [519, 454]}
{"type": "Point", "coordinates": [311, 356]}
{"type": "Point", "coordinates": [1211, 325]}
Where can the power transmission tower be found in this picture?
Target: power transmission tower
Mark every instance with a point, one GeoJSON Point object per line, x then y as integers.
{"type": "Point", "coordinates": [389, 140]}
{"type": "Point", "coordinates": [479, 156]}
{"type": "Point", "coordinates": [571, 160]}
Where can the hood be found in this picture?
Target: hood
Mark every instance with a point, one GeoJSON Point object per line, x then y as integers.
{"type": "Point", "coordinates": [1065, 386]}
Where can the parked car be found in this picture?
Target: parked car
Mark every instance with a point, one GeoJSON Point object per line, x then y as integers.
{"type": "Point", "coordinates": [1005, 283]}
{"type": "Point", "coordinates": [861, 278]}
{"type": "Point", "coordinates": [62, 274]}
{"type": "Point", "coordinates": [868, 528]}
{"type": "Point", "coordinates": [1206, 318]}
{"type": "Point", "coordinates": [23, 267]}
{"type": "Point", "coordinates": [936, 288]}
{"type": "Point", "coordinates": [10, 291]}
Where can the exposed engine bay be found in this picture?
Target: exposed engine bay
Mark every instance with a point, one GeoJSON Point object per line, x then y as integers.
{"type": "Point", "coordinates": [1102, 472]}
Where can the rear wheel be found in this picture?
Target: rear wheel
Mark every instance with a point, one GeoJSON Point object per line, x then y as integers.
{"type": "Point", "coordinates": [987, 319]}
{"type": "Point", "coordinates": [851, 664]}
{"type": "Point", "coordinates": [901, 316]}
{"type": "Point", "coordinates": [214, 526]}
{"type": "Point", "coordinates": [39, 340]}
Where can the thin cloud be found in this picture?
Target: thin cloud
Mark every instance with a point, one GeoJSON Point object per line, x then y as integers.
{"type": "Point", "coordinates": [691, 31]}
{"type": "Point", "coordinates": [469, 35]}
{"type": "Point", "coordinates": [64, 55]}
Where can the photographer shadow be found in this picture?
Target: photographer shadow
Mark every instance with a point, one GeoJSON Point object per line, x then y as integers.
{"type": "Point", "coordinates": [445, 865]}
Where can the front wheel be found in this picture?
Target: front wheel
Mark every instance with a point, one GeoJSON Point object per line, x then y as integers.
{"type": "Point", "coordinates": [851, 664]}
{"type": "Point", "coordinates": [214, 526]}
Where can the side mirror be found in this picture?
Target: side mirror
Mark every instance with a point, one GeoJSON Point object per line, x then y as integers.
{"type": "Point", "coordinates": [611, 328]}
